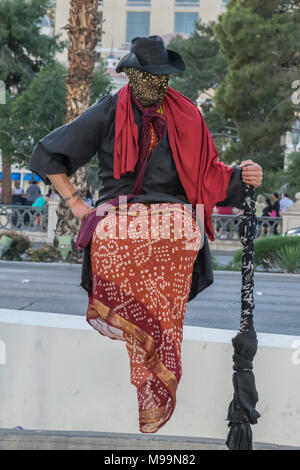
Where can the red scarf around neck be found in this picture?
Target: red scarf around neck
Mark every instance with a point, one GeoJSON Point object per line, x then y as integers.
{"type": "Point", "coordinates": [204, 178]}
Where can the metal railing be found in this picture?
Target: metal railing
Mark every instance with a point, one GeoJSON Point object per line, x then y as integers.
{"type": "Point", "coordinates": [23, 218]}
{"type": "Point", "coordinates": [34, 219]}
{"type": "Point", "coordinates": [226, 227]}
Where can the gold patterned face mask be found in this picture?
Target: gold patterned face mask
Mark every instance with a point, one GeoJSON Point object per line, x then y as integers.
{"type": "Point", "coordinates": [147, 87]}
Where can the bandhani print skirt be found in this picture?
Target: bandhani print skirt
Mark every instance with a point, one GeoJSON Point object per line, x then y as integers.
{"type": "Point", "coordinates": [142, 259]}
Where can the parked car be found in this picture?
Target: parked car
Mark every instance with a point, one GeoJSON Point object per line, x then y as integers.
{"type": "Point", "coordinates": [293, 232]}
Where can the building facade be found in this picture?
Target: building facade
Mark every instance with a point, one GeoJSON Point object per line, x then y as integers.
{"type": "Point", "coordinates": [126, 19]}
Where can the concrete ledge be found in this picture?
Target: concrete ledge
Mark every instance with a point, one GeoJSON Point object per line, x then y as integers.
{"type": "Point", "coordinates": [57, 373]}
{"type": "Point", "coordinates": [55, 440]}
{"type": "Point", "coordinates": [59, 440]}
{"type": "Point", "coordinates": [224, 245]}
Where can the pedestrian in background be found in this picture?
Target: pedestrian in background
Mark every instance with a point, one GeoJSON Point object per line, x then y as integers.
{"type": "Point", "coordinates": [40, 202]}
{"type": "Point", "coordinates": [267, 213]}
{"type": "Point", "coordinates": [33, 192]}
{"type": "Point", "coordinates": [275, 211]}
{"type": "Point", "coordinates": [285, 202]}
{"type": "Point", "coordinates": [275, 206]}
{"type": "Point", "coordinates": [52, 194]}
{"type": "Point", "coordinates": [224, 210]}
{"type": "Point", "coordinates": [17, 193]}
{"type": "Point", "coordinates": [260, 205]}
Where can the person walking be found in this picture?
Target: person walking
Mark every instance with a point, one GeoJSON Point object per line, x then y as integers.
{"type": "Point", "coordinates": [158, 170]}
{"type": "Point", "coordinates": [33, 192]}
{"type": "Point", "coordinates": [39, 203]}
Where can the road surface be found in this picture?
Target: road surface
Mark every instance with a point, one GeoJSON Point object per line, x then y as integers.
{"type": "Point", "coordinates": [55, 287]}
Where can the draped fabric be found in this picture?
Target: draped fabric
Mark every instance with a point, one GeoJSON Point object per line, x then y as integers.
{"type": "Point", "coordinates": [153, 130]}
{"type": "Point", "coordinates": [204, 178]}
{"type": "Point", "coordinates": [142, 260]}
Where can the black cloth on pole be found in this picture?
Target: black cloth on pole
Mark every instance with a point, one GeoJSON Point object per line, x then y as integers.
{"type": "Point", "coordinates": [242, 412]}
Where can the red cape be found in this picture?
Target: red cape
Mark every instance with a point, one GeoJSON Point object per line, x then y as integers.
{"type": "Point", "coordinates": [204, 178]}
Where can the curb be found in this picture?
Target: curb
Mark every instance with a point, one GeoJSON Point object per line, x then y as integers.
{"type": "Point", "coordinates": [68, 440]}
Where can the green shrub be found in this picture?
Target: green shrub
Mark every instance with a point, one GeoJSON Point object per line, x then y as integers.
{"type": "Point", "coordinates": [21, 245]}
{"type": "Point", "coordinates": [45, 253]}
{"type": "Point", "coordinates": [288, 258]}
{"type": "Point", "coordinates": [267, 249]}
{"type": "Point", "coordinates": [221, 267]}
{"type": "Point", "coordinates": [232, 266]}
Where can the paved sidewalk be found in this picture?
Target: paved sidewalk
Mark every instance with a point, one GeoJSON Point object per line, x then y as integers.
{"type": "Point", "coordinates": [64, 440]}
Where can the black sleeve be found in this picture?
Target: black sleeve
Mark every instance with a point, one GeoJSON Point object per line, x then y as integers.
{"type": "Point", "coordinates": [235, 194]}
{"type": "Point", "coordinates": [72, 145]}
{"type": "Point", "coordinates": [276, 207]}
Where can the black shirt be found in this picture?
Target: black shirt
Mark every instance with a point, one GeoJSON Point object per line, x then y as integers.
{"type": "Point", "coordinates": [276, 208]}
{"type": "Point", "coordinates": [267, 211]}
{"type": "Point", "coordinates": [72, 145]}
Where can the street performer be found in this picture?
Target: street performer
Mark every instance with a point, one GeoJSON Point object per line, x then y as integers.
{"type": "Point", "coordinates": [157, 166]}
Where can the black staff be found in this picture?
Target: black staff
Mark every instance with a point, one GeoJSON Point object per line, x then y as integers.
{"type": "Point", "coordinates": [242, 412]}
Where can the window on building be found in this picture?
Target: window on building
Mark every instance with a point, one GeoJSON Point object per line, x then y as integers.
{"type": "Point", "coordinates": [138, 24]}
{"type": "Point", "coordinates": [185, 22]}
{"type": "Point", "coordinates": [187, 3]}
{"type": "Point", "coordinates": [139, 3]}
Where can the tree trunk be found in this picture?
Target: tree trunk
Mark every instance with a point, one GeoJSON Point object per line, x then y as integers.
{"type": "Point", "coordinates": [6, 182]}
{"type": "Point", "coordinates": [84, 32]}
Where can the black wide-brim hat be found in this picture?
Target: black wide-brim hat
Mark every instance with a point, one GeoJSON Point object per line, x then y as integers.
{"type": "Point", "coordinates": [149, 54]}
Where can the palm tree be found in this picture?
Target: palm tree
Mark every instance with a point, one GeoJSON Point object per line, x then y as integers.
{"type": "Point", "coordinates": [84, 33]}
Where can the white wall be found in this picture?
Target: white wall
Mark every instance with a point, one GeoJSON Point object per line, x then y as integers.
{"type": "Point", "coordinates": [62, 375]}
